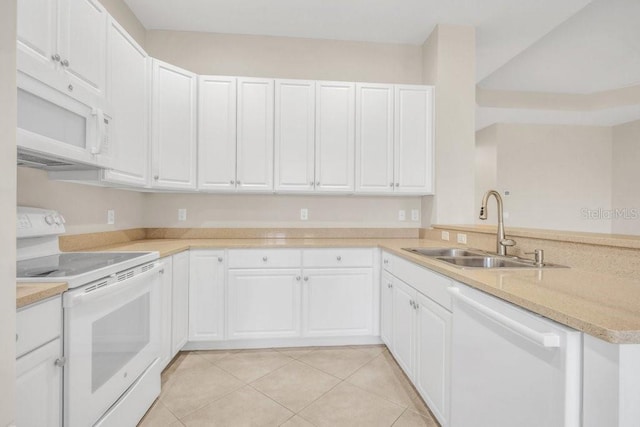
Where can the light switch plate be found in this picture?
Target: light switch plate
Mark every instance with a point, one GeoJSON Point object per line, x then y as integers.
{"type": "Point", "coordinates": [445, 235]}
{"type": "Point", "coordinates": [402, 215]}
{"type": "Point", "coordinates": [462, 238]}
{"type": "Point", "coordinates": [415, 215]}
{"type": "Point", "coordinates": [304, 214]}
{"type": "Point", "coordinates": [111, 216]}
{"type": "Point", "coordinates": [182, 214]}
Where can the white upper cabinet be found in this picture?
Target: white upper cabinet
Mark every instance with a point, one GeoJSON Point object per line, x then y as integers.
{"type": "Point", "coordinates": [173, 127]}
{"type": "Point", "coordinates": [414, 139]}
{"type": "Point", "coordinates": [294, 135]}
{"type": "Point", "coordinates": [374, 138]}
{"type": "Point", "coordinates": [63, 44]}
{"type": "Point", "coordinates": [335, 136]}
{"type": "Point", "coordinates": [255, 135]}
{"type": "Point", "coordinates": [128, 76]}
{"type": "Point", "coordinates": [217, 133]}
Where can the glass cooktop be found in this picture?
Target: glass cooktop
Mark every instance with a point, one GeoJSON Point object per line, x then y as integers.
{"type": "Point", "coordinates": [71, 264]}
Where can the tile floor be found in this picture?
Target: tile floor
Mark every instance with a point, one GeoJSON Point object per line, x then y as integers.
{"type": "Point", "coordinates": [321, 386]}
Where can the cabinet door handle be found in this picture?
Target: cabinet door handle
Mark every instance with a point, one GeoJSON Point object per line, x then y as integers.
{"type": "Point", "coordinates": [232, 182]}
{"type": "Point", "coordinates": [339, 258]}
{"type": "Point", "coordinates": [156, 177]}
{"type": "Point", "coordinates": [65, 63]}
{"type": "Point", "coordinates": [264, 258]}
{"type": "Point", "coordinates": [311, 184]}
{"type": "Point", "coordinates": [60, 362]}
{"type": "Point", "coordinates": [55, 58]}
{"type": "Point", "coordinates": [386, 261]}
{"type": "Point", "coordinates": [391, 184]}
{"type": "Point", "coordinates": [219, 259]}
{"type": "Point", "coordinates": [411, 302]}
{"type": "Point", "coordinates": [297, 278]}
{"type": "Point", "coordinates": [306, 278]}
{"type": "Point", "coordinates": [318, 183]}
{"type": "Point", "coordinates": [238, 182]}
{"type": "Point", "coordinates": [70, 87]}
{"type": "Point", "coordinates": [397, 184]}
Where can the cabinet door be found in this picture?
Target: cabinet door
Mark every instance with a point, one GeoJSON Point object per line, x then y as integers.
{"type": "Point", "coordinates": [82, 37]}
{"type": "Point", "coordinates": [294, 135]}
{"type": "Point", "coordinates": [338, 302]}
{"type": "Point", "coordinates": [180, 310]}
{"type": "Point", "coordinates": [255, 135]}
{"type": "Point", "coordinates": [414, 139]}
{"type": "Point", "coordinates": [335, 139]}
{"type": "Point", "coordinates": [39, 387]}
{"type": "Point", "coordinates": [403, 326]}
{"type": "Point", "coordinates": [374, 138]}
{"type": "Point", "coordinates": [217, 133]}
{"type": "Point", "coordinates": [128, 78]}
{"type": "Point", "coordinates": [206, 295]}
{"type": "Point", "coordinates": [433, 354]}
{"type": "Point", "coordinates": [263, 303]}
{"type": "Point", "coordinates": [166, 310]}
{"type": "Point", "coordinates": [173, 127]}
{"type": "Point", "coordinates": [386, 309]}
{"type": "Point", "coordinates": [37, 29]}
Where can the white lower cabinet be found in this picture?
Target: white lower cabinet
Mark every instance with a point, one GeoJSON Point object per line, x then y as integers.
{"type": "Point", "coordinates": [433, 355]}
{"type": "Point", "coordinates": [39, 365]}
{"type": "Point", "coordinates": [180, 301]}
{"type": "Point", "coordinates": [417, 329]}
{"type": "Point", "coordinates": [166, 310]}
{"type": "Point", "coordinates": [263, 303]}
{"type": "Point", "coordinates": [337, 302]}
{"type": "Point", "coordinates": [206, 295]}
{"type": "Point", "coordinates": [386, 309]}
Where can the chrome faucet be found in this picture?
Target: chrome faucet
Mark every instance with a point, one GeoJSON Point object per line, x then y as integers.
{"type": "Point", "coordinates": [501, 241]}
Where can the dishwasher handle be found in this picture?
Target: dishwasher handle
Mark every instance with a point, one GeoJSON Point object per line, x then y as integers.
{"type": "Point", "coordinates": [549, 339]}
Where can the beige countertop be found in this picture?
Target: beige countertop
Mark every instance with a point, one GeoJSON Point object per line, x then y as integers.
{"type": "Point", "coordinates": [29, 293]}
{"type": "Point", "coordinates": [601, 305]}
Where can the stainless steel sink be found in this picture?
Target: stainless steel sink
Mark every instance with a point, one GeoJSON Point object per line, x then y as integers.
{"type": "Point", "coordinates": [475, 258]}
{"type": "Point", "coordinates": [444, 252]}
{"type": "Point", "coordinates": [486, 262]}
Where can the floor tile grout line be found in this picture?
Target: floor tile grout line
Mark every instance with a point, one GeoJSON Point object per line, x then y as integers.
{"type": "Point", "coordinates": [275, 401]}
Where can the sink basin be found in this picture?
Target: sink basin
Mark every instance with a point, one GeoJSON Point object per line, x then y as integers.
{"type": "Point", "coordinates": [444, 252]}
{"type": "Point", "coordinates": [493, 262]}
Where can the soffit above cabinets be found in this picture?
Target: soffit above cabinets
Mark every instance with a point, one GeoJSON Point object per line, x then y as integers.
{"type": "Point", "coordinates": [503, 27]}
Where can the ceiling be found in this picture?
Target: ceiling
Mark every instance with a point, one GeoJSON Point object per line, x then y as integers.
{"type": "Point", "coordinates": [504, 28]}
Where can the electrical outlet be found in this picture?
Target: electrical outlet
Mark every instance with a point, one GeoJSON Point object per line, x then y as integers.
{"type": "Point", "coordinates": [182, 214]}
{"type": "Point", "coordinates": [415, 215]}
{"type": "Point", "coordinates": [111, 216]}
{"type": "Point", "coordinates": [445, 235]}
{"type": "Point", "coordinates": [402, 215]}
{"type": "Point", "coordinates": [304, 214]}
{"type": "Point", "coordinates": [462, 238]}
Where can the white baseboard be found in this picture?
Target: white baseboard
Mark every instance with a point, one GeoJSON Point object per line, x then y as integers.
{"type": "Point", "coordinates": [281, 342]}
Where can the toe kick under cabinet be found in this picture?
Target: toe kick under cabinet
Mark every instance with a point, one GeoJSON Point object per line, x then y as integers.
{"type": "Point", "coordinates": [257, 297]}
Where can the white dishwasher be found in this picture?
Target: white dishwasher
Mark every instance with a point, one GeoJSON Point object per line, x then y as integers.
{"type": "Point", "coordinates": [511, 367]}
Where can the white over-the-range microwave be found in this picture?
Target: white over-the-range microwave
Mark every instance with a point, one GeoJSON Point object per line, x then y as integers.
{"type": "Point", "coordinates": [58, 132]}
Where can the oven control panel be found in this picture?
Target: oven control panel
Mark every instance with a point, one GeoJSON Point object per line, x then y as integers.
{"type": "Point", "coordinates": [36, 222]}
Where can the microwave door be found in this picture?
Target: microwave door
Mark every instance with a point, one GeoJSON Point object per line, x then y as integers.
{"type": "Point", "coordinates": [54, 124]}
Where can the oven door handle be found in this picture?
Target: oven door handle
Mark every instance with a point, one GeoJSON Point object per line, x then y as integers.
{"type": "Point", "coordinates": [73, 299]}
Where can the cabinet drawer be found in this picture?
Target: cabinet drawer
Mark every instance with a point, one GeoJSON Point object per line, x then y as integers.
{"type": "Point", "coordinates": [347, 257]}
{"type": "Point", "coordinates": [264, 258]}
{"type": "Point", "coordinates": [425, 281]}
{"type": "Point", "coordinates": [38, 324]}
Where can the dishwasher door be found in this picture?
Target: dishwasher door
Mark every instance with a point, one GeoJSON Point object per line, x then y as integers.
{"type": "Point", "coordinates": [511, 367]}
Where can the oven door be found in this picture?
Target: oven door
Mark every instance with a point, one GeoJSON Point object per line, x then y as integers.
{"type": "Point", "coordinates": [111, 336]}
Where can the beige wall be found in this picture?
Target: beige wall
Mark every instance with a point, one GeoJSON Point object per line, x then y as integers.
{"type": "Point", "coordinates": [449, 62]}
{"type": "Point", "coordinates": [83, 206]}
{"type": "Point", "coordinates": [161, 210]}
{"type": "Point", "coordinates": [286, 57]}
{"type": "Point", "coordinates": [7, 206]}
{"type": "Point", "coordinates": [626, 177]}
{"type": "Point", "coordinates": [552, 172]}
{"type": "Point", "coordinates": [125, 17]}
{"type": "Point", "coordinates": [486, 165]}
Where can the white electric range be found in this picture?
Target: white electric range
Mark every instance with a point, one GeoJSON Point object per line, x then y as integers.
{"type": "Point", "coordinates": [111, 322]}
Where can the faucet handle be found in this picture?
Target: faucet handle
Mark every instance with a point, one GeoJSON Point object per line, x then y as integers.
{"type": "Point", "coordinates": [538, 254]}
{"type": "Point", "coordinates": [508, 242]}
